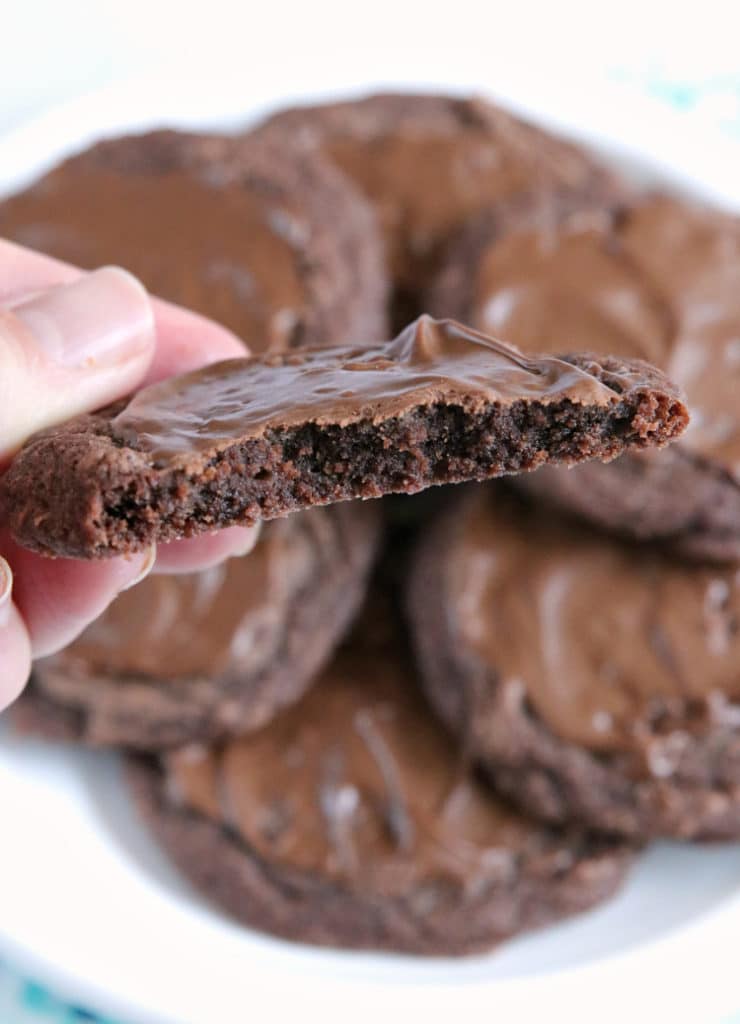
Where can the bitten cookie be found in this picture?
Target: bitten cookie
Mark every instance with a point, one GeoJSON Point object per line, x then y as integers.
{"type": "Point", "coordinates": [658, 280]}
{"type": "Point", "coordinates": [201, 656]}
{"type": "Point", "coordinates": [269, 241]}
{"type": "Point", "coordinates": [427, 163]}
{"type": "Point", "coordinates": [351, 821]}
{"type": "Point", "coordinates": [595, 680]}
{"type": "Point", "coordinates": [258, 438]}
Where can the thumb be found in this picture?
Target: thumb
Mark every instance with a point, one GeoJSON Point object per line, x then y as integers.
{"type": "Point", "coordinates": [71, 349]}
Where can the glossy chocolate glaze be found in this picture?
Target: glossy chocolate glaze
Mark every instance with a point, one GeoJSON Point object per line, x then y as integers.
{"type": "Point", "coordinates": [429, 362]}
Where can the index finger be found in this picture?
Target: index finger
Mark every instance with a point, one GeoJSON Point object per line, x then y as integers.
{"type": "Point", "coordinates": [185, 340]}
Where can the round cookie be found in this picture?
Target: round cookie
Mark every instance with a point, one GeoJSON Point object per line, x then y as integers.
{"type": "Point", "coordinates": [266, 239]}
{"type": "Point", "coordinates": [351, 821]}
{"type": "Point", "coordinates": [429, 162]}
{"type": "Point", "coordinates": [595, 680]}
{"type": "Point", "coordinates": [200, 656]}
{"type": "Point", "coordinates": [659, 280]}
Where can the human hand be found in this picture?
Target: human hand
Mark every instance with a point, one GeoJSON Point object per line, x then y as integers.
{"type": "Point", "coordinates": [71, 342]}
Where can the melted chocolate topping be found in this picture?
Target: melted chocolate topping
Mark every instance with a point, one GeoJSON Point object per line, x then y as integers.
{"type": "Point", "coordinates": [431, 361]}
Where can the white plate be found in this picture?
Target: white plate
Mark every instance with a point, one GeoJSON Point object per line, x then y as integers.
{"type": "Point", "coordinates": [91, 907]}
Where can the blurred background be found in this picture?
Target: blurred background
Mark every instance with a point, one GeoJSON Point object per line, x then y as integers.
{"type": "Point", "coordinates": [657, 76]}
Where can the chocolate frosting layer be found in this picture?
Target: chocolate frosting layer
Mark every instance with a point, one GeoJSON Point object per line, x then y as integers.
{"type": "Point", "coordinates": [659, 281]}
{"type": "Point", "coordinates": [360, 785]}
{"type": "Point", "coordinates": [429, 362]}
{"type": "Point", "coordinates": [609, 643]}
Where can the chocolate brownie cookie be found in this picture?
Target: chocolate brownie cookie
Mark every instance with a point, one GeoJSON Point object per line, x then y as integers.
{"type": "Point", "coordinates": [258, 438]}
{"type": "Point", "coordinates": [201, 656]}
{"type": "Point", "coordinates": [596, 680]}
{"type": "Point", "coordinates": [659, 280]}
{"type": "Point", "coordinates": [429, 162]}
{"type": "Point", "coordinates": [351, 821]}
{"type": "Point", "coordinates": [267, 240]}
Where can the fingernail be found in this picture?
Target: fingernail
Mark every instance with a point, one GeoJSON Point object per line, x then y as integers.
{"type": "Point", "coordinates": [6, 591]}
{"type": "Point", "coordinates": [146, 568]}
{"type": "Point", "coordinates": [105, 318]}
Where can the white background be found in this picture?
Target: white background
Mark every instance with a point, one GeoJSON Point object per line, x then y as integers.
{"type": "Point", "coordinates": [53, 50]}
{"type": "Point", "coordinates": [663, 78]}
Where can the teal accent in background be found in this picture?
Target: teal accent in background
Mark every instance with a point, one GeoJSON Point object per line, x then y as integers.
{"type": "Point", "coordinates": [25, 1002]}
{"type": "Point", "coordinates": [713, 100]}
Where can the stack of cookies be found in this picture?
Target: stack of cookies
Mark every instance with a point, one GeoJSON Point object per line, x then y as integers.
{"type": "Point", "coordinates": [416, 723]}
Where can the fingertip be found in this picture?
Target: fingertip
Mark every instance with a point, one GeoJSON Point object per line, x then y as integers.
{"type": "Point", "coordinates": [182, 556]}
{"type": "Point", "coordinates": [132, 291]}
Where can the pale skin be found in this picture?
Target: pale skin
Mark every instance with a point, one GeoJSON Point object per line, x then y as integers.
{"type": "Point", "coordinates": [70, 342]}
